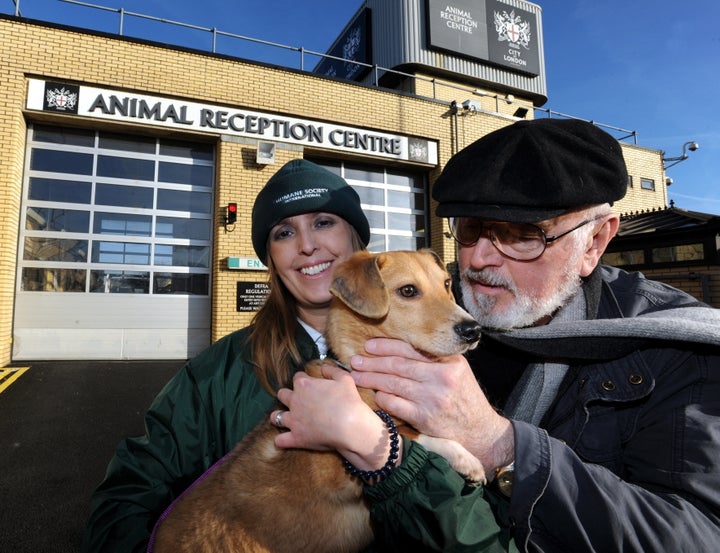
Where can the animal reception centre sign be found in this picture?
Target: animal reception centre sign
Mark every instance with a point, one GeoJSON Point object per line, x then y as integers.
{"type": "Point", "coordinates": [99, 103]}
{"type": "Point", "coordinates": [489, 30]}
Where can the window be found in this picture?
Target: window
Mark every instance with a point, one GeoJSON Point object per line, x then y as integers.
{"type": "Point", "coordinates": [619, 259]}
{"type": "Point", "coordinates": [630, 181]}
{"type": "Point", "coordinates": [647, 184]}
{"type": "Point", "coordinates": [393, 201]}
{"type": "Point", "coordinates": [680, 252]}
{"type": "Point", "coordinates": [109, 213]}
{"type": "Point", "coordinates": [659, 255]}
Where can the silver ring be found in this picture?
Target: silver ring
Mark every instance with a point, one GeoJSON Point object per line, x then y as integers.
{"type": "Point", "coordinates": [278, 419]}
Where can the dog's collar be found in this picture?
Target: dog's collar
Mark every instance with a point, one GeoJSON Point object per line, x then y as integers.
{"type": "Point", "coordinates": [331, 355]}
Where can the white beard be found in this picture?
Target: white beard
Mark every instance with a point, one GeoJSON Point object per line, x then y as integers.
{"type": "Point", "coordinates": [524, 310]}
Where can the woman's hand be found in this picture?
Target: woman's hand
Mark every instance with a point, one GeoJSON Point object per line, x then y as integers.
{"type": "Point", "coordinates": [439, 398]}
{"type": "Point", "coordinates": [329, 414]}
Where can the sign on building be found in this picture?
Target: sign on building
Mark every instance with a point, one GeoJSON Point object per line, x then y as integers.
{"type": "Point", "coordinates": [488, 30]}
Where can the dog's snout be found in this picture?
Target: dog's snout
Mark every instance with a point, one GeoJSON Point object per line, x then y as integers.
{"type": "Point", "coordinates": [469, 331]}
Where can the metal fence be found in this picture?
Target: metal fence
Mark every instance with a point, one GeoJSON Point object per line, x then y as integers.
{"type": "Point", "coordinates": [304, 55]}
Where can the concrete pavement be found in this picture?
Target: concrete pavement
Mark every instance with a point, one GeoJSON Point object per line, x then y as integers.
{"type": "Point", "coordinates": [59, 425]}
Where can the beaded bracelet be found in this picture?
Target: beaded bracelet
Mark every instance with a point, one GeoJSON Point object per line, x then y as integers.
{"type": "Point", "coordinates": [375, 476]}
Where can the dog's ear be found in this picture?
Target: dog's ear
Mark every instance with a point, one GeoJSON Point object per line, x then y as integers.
{"type": "Point", "coordinates": [436, 257]}
{"type": "Point", "coordinates": [359, 285]}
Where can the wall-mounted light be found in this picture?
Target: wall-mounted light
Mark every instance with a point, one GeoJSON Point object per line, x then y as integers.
{"type": "Point", "coordinates": [692, 146]}
{"type": "Point", "coordinates": [230, 214]}
{"type": "Point", "coordinates": [265, 153]}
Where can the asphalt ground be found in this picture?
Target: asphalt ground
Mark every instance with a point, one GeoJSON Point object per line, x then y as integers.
{"type": "Point", "coordinates": [59, 425]}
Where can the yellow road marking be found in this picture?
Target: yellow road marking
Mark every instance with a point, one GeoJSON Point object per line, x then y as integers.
{"type": "Point", "coordinates": [8, 376]}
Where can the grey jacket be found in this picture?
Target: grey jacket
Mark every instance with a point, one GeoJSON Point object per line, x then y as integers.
{"type": "Point", "coordinates": [627, 457]}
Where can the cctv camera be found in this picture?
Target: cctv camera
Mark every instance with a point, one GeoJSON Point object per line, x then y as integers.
{"type": "Point", "coordinates": [693, 146]}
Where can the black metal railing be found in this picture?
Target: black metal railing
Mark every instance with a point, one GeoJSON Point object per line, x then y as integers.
{"type": "Point", "coordinates": [304, 54]}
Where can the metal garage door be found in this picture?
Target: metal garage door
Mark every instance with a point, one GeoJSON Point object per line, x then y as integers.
{"type": "Point", "coordinates": [114, 253]}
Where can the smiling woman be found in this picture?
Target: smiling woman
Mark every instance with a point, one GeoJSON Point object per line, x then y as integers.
{"type": "Point", "coordinates": [304, 216]}
{"type": "Point", "coordinates": [305, 221]}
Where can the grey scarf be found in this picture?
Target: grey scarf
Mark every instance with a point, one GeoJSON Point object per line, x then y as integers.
{"type": "Point", "coordinates": [538, 385]}
{"type": "Point", "coordinates": [569, 336]}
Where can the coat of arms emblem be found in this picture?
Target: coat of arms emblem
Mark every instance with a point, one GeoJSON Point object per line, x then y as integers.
{"type": "Point", "coordinates": [61, 99]}
{"type": "Point", "coordinates": [351, 49]}
{"type": "Point", "coordinates": [512, 28]}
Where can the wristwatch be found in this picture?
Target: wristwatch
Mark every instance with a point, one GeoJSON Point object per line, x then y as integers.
{"type": "Point", "coordinates": [504, 478]}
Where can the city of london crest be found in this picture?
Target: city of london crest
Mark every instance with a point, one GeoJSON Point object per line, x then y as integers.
{"type": "Point", "coordinates": [512, 28]}
{"type": "Point", "coordinates": [61, 99]}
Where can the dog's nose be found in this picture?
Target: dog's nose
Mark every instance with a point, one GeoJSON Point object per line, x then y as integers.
{"type": "Point", "coordinates": [469, 331]}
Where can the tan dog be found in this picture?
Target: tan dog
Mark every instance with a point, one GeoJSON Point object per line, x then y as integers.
{"type": "Point", "coordinates": [262, 499]}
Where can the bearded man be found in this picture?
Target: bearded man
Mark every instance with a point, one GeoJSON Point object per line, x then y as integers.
{"type": "Point", "coordinates": [593, 400]}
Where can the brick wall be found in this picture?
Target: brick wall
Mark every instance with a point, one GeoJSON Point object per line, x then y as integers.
{"type": "Point", "coordinates": [643, 164]}
{"type": "Point", "coordinates": [44, 51]}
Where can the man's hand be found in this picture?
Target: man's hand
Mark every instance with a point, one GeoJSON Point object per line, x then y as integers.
{"type": "Point", "coordinates": [439, 398]}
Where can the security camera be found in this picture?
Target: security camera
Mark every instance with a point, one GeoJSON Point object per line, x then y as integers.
{"type": "Point", "coordinates": [693, 146]}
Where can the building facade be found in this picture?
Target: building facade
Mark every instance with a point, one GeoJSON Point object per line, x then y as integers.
{"type": "Point", "coordinates": [676, 246]}
{"type": "Point", "coordinates": [121, 158]}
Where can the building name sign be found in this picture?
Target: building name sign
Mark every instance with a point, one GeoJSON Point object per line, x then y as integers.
{"type": "Point", "coordinates": [489, 30]}
{"type": "Point", "coordinates": [98, 103]}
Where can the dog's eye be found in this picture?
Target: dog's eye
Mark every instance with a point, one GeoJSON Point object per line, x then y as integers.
{"type": "Point", "coordinates": [408, 291]}
{"type": "Point", "coordinates": [448, 283]}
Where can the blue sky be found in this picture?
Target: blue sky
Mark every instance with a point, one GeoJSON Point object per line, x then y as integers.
{"type": "Point", "coordinates": [650, 66]}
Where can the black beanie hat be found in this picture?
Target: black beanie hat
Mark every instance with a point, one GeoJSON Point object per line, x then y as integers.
{"type": "Point", "coordinates": [301, 186]}
{"type": "Point", "coordinates": [531, 171]}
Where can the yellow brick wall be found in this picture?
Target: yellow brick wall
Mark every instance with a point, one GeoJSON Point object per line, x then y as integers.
{"type": "Point", "coordinates": [12, 155]}
{"type": "Point", "coordinates": [237, 185]}
{"type": "Point", "coordinates": [42, 51]}
{"type": "Point", "coordinates": [448, 91]}
{"type": "Point", "coordinates": [643, 163]}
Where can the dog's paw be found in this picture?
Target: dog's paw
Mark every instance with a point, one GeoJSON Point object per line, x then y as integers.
{"type": "Point", "coordinates": [474, 475]}
{"type": "Point", "coordinates": [459, 458]}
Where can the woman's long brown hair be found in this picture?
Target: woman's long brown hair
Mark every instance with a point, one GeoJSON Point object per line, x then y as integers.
{"type": "Point", "coordinates": [273, 328]}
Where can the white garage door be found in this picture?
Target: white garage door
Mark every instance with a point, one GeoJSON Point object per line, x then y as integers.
{"type": "Point", "coordinates": [114, 256]}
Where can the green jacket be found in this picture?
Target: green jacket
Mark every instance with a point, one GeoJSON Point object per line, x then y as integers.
{"type": "Point", "coordinates": [207, 408]}
{"type": "Point", "coordinates": [202, 413]}
{"type": "Point", "coordinates": [426, 506]}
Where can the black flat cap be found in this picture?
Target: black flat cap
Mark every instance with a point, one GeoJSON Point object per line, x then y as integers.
{"type": "Point", "coordinates": [531, 171]}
